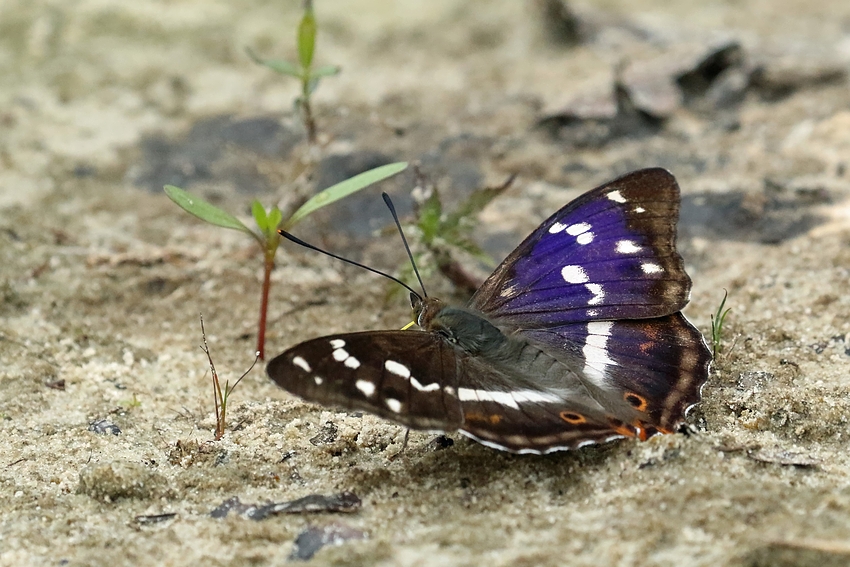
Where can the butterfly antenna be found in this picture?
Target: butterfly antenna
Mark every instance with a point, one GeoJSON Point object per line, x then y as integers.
{"type": "Point", "coordinates": [391, 207]}
{"type": "Point", "coordinates": [300, 242]}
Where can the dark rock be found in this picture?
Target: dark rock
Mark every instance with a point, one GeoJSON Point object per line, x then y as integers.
{"type": "Point", "coordinates": [326, 436]}
{"type": "Point", "coordinates": [344, 502]}
{"type": "Point", "coordinates": [202, 155]}
{"type": "Point", "coordinates": [104, 427]}
{"type": "Point", "coordinates": [313, 539]}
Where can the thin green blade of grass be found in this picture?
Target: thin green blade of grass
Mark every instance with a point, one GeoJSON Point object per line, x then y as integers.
{"type": "Point", "coordinates": [717, 320]}
{"type": "Point", "coordinates": [204, 211]}
{"type": "Point", "coordinates": [345, 188]}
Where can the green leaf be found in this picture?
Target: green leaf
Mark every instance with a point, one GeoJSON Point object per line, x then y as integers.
{"type": "Point", "coordinates": [325, 71]}
{"type": "Point", "coordinates": [204, 211]}
{"type": "Point", "coordinates": [345, 188]}
{"type": "Point", "coordinates": [277, 65]}
{"type": "Point", "coordinates": [283, 67]}
{"type": "Point", "coordinates": [267, 222]}
{"type": "Point", "coordinates": [307, 38]}
{"type": "Point", "coordinates": [258, 211]}
{"type": "Point", "coordinates": [274, 218]}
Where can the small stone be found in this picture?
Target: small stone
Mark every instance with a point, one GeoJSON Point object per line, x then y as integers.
{"type": "Point", "coordinates": [104, 427]}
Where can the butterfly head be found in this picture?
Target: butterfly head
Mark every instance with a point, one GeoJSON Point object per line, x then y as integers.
{"type": "Point", "coordinates": [425, 309]}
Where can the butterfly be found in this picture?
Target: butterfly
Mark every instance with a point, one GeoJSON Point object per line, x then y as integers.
{"type": "Point", "coordinates": [576, 338]}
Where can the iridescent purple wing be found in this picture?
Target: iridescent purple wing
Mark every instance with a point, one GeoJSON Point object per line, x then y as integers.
{"type": "Point", "coordinates": [599, 286]}
{"type": "Point", "coordinates": [610, 254]}
{"type": "Point", "coordinates": [646, 372]}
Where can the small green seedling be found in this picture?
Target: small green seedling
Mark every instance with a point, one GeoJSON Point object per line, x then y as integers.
{"type": "Point", "coordinates": [717, 320]}
{"type": "Point", "coordinates": [304, 71]}
{"type": "Point", "coordinates": [441, 233]}
{"type": "Point", "coordinates": [132, 403]}
{"type": "Point", "coordinates": [269, 221]}
{"type": "Point", "coordinates": [220, 396]}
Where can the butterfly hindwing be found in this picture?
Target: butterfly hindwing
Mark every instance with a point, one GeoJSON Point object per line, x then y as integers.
{"type": "Point", "coordinates": [609, 254]}
{"type": "Point", "coordinates": [654, 367]}
{"type": "Point", "coordinates": [525, 416]}
{"type": "Point", "coordinates": [407, 376]}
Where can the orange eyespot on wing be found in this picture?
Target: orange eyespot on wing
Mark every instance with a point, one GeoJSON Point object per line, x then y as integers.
{"type": "Point", "coordinates": [572, 417]}
{"type": "Point", "coordinates": [475, 416]}
{"type": "Point", "coordinates": [637, 401]}
{"type": "Point", "coordinates": [621, 427]}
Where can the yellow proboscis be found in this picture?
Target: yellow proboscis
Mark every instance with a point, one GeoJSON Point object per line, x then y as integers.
{"type": "Point", "coordinates": [409, 325]}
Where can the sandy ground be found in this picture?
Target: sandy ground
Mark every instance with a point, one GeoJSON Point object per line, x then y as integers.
{"type": "Point", "coordinates": [105, 412]}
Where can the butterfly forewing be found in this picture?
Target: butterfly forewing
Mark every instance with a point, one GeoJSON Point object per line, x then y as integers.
{"type": "Point", "coordinates": [610, 254]}
{"type": "Point", "coordinates": [407, 376]}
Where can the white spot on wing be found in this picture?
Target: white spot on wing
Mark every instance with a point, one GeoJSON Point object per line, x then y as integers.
{"type": "Point", "coordinates": [352, 362]}
{"type": "Point", "coordinates": [556, 228]}
{"type": "Point", "coordinates": [595, 351]}
{"type": "Point", "coordinates": [340, 354]}
{"type": "Point", "coordinates": [574, 274]}
{"type": "Point", "coordinates": [585, 238]}
{"type": "Point", "coordinates": [397, 368]}
{"type": "Point", "coordinates": [640, 210]}
{"type": "Point", "coordinates": [366, 387]}
{"type": "Point", "coordinates": [393, 404]}
{"type": "Point", "coordinates": [597, 291]}
{"type": "Point", "coordinates": [627, 247]}
{"type": "Point", "coordinates": [535, 396]}
{"type": "Point", "coordinates": [650, 268]}
{"type": "Point", "coordinates": [578, 228]}
{"type": "Point", "coordinates": [301, 363]}
{"type": "Point", "coordinates": [509, 291]}
{"type": "Point", "coordinates": [601, 328]}
{"type": "Point", "coordinates": [318, 380]}
{"type": "Point", "coordinates": [510, 399]}
{"type": "Point", "coordinates": [418, 385]}
{"type": "Point", "coordinates": [337, 343]}
{"type": "Point", "coordinates": [467, 394]}
{"type": "Point", "coordinates": [617, 197]}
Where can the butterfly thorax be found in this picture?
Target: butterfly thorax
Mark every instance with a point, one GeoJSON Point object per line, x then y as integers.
{"type": "Point", "coordinates": [464, 328]}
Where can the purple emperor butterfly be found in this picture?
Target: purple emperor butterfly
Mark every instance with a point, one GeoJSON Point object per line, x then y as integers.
{"type": "Point", "coordinates": [575, 339]}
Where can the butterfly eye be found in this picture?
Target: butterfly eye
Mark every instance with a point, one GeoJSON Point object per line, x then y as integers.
{"type": "Point", "coordinates": [638, 402]}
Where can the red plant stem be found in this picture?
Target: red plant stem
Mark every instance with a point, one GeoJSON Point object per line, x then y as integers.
{"type": "Point", "coordinates": [264, 303]}
{"type": "Point", "coordinates": [309, 121]}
